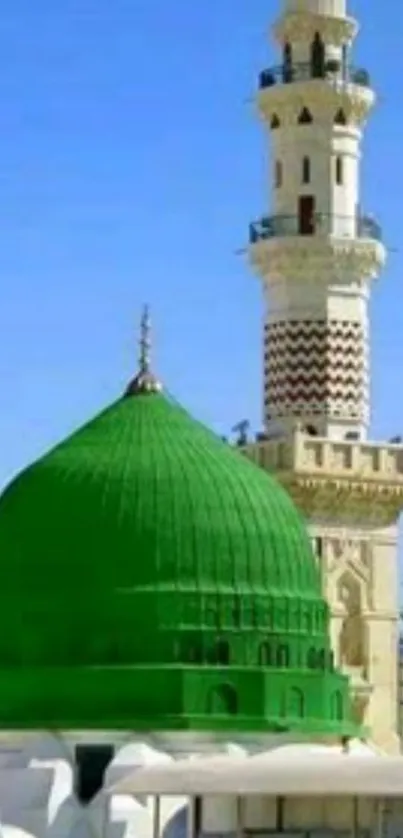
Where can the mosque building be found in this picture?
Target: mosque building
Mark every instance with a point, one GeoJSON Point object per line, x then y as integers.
{"type": "Point", "coordinates": [180, 655]}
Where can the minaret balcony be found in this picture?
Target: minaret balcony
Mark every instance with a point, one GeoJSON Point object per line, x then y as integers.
{"type": "Point", "coordinates": [333, 71]}
{"type": "Point", "coordinates": [321, 224]}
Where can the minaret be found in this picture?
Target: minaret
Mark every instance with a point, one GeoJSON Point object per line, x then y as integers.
{"type": "Point", "coordinates": [317, 253]}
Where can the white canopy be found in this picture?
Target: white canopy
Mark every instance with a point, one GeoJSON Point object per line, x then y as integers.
{"type": "Point", "coordinates": [317, 774]}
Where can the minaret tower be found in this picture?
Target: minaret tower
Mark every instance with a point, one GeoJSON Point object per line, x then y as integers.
{"type": "Point", "coordinates": [317, 254]}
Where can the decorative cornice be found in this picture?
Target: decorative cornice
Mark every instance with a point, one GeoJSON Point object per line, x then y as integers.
{"type": "Point", "coordinates": [301, 26]}
{"type": "Point", "coordinates": [323, 98]}
{"type": "Point", "coordinates": [318, 258]}
{"type": "Point", "coordinates": [355, 500]}
{"type": "Point", "coordinates": [363, 481]}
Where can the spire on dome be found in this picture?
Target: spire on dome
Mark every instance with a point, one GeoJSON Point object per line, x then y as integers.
{"type": "Point", "coordinates": [145, 381]}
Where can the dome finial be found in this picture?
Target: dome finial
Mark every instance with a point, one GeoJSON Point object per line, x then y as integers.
{"type": "Point", "coordinates": [145, 381]}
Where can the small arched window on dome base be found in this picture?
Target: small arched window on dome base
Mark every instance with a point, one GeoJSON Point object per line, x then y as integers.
{"type": "Point", "coordinates": [223, 700]}
{"type": "Point", "coordinates": [220, 653]}
{"type": "Point", "coordinates": [265, 654]}
{"type": "Point", "coordinates": [337, 706]}
{"type": "Point", "coordinates": [283, 657]}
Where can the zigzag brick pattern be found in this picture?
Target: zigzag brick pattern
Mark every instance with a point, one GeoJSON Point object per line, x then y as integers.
{"type": "Point", "coordinates": [316, 367]}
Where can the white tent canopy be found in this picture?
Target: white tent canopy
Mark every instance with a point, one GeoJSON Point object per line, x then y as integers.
{"type": "Point", "coordinates": [317, 774]}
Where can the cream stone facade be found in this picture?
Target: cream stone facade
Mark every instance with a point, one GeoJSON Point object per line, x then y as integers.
{"type": "Point", "coordinates": [317, 256]}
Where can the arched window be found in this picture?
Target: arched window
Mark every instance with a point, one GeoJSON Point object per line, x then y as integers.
{"type": "Point", "coordinates": [265, 656]}
{"type": "Point", "coordinates": [192, 651]}
{"type": "Point", "coordinates": [287, 63]}
{"type": "Point", "coordinates": [223, 701]}
{"type": "Point", "coordinates": [339, 170]}
{"type": "Point", "coordinates": [305, 117]}
{"type": "Point", "coordinates": [340, 117]}
{"type": "Point", "coordinates": [312, 659]}
{"type": "Point", "coordinates": [278, 174]}
{"type": "Point", "coordinates": [322, 659]}
{"type": "Point", "coordinates": [283, 656]}
{"type": "Point", "coordinates": [337, 708]}
{"type": "Point", "coordinates": [306, 170]}
{"type": "Point", "coordinates": [221, 653]}
{"type": "Point", "coordinates": [274, 122]}
{"type": "Point", "coordinates": [317, 57]}
{"type": "Point", "coordinates": [295, 703]}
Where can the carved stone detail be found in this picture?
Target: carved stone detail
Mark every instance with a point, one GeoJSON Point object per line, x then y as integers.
{"type": "Point", "coordinates": [353, 636]}
{"type": "Point", "coordinates": [323, 97]}
{"type": "Point", "coordinates": [279, 258]}
{"type": "Point", "coordinates": [377, 505]}
{"type": "Point", "coordinates": [302, 27]}
{"type": "Point", "coordinates": [353, 556]}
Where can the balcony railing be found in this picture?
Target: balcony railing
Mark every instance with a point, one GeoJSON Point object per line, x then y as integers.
{"type": "Point", "coordinates": [341, 226]}
{"type": "Point", "coordinates": [331, 71]}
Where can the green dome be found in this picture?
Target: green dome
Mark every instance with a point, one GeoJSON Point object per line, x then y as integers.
{"type": "Point", "coordinates": [154, 578]}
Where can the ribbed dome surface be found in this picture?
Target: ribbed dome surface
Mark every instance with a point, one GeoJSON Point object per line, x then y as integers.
{"type": "Point", "coordinates": [144, 540]}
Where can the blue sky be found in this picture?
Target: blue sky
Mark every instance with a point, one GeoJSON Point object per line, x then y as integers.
{"type": "Point", "coordinates": [132, 163]}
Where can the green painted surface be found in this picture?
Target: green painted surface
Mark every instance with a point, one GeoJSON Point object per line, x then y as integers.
{"type": "Point", "coordinates": [152, 577]}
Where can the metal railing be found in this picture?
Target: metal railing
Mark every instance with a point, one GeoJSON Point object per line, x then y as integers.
{"type": "Point", "coordinates": [297, 72]}
{"type": "Point", "coordinates": [341, 226]}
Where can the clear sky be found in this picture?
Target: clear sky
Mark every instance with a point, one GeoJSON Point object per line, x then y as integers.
{"type": "Point", "coordinates": [132, 163]}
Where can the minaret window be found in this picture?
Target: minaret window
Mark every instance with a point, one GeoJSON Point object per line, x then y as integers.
{"type": "Point", "coordinates": [274, 122]}
{"type": "Point", "coordinates": [305, 117]}
{"type": "Point", "coordinates": [278, 174]}
{"type": "Point", "coordinates": [340, 118]}
{"type": "Point", "coordinates": [287, 63]}
{"type": "Point", "coordinates": [317, 57]}
{"type": "Point", "coordinates": [306, 215]}
{"type": "Point", "coordinates": [339, 170]}
{"type": "Point", "coordinates": [306, 170]}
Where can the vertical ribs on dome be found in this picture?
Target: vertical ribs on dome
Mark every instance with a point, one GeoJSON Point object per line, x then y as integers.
{"type": "Point", "coordinates": [145, 381]}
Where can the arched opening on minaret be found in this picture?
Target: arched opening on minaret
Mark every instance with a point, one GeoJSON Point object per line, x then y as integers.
{"type": "Point", "coordinates": [340, 118]}
{"type": "Point", "coordinates": [278, 174]}
{"type": "Point", "coordinates": [306, 215]}
{"type": "Point", "coordinates": [274, 122]}
{"type": "Point", "coordinates": [287, 63]}
{"type": "Point", "coordinates": [339, 170]}
{"type": "Point", "coordinates": [306, 170]}
{"type": "Point", "coordinates": [305, 117]}
{"type": "Point", "coordinates": [317, 57]}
